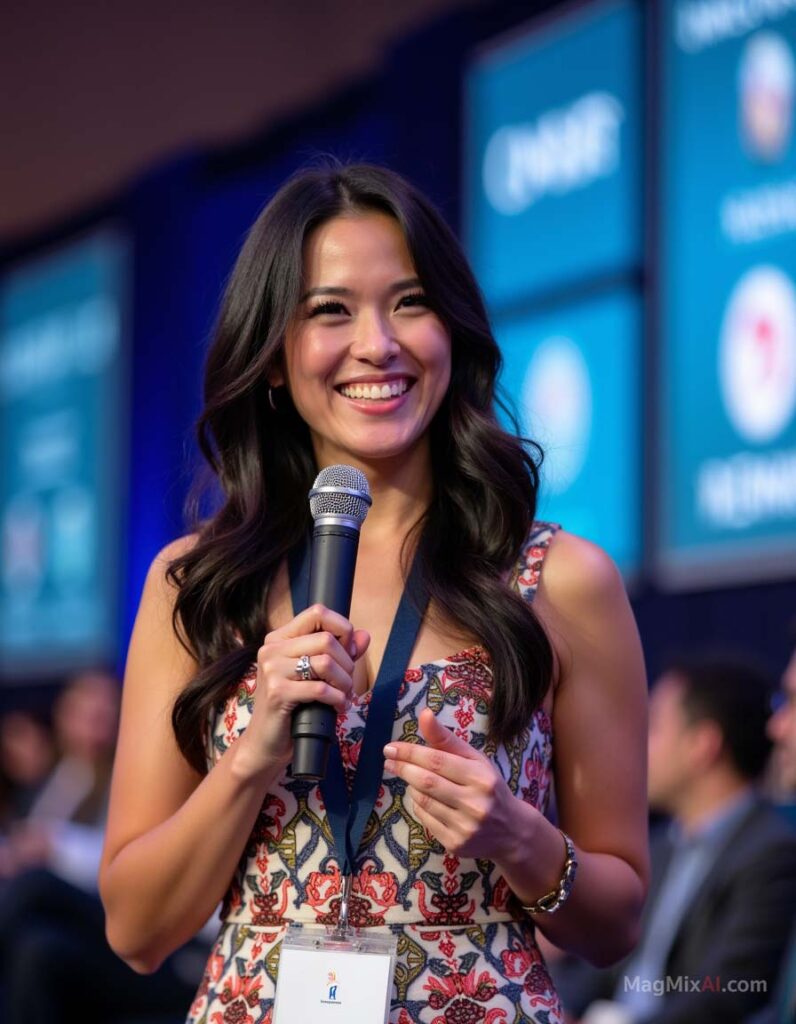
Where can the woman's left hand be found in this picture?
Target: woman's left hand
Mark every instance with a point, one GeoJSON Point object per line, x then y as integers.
{"type": "Point", "coordinates": [458, 794]}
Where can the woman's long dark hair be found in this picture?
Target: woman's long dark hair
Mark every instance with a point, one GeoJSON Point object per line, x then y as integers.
{"type": "Point", "coordinates": [485, 481]}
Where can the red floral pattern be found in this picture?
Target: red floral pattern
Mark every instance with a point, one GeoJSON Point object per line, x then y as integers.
{"type": "Point", "coordinates": [464, 957]}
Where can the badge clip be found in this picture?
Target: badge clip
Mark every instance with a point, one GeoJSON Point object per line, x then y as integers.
{"type": "Point", "coordinates": [341, 932]}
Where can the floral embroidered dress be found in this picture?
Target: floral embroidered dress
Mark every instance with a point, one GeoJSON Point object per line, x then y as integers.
{"type": "Point", "coordinates": [466, 951]}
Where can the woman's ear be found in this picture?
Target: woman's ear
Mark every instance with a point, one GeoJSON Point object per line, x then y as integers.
{"type": "Point", "coordinates": [276, 385]}
{"type": "Point", "coordinates": [276, 372]}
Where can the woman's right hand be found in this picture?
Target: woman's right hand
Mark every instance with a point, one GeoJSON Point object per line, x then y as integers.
{"type": "Point", "coordinates": [333, 647]}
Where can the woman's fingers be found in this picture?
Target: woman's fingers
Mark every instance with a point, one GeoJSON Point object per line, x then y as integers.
{"type": "Point", "coordinates": [330, 665]}
{"type": "Point", "coordinates": [318, 647]}
{"type": "Point", "coordinates": [304, 691]}
{"type": "Point", "coordinates": [279, 690]}
{"type": "Point", "coordinates": [429, 783]}
{"type": "Point", "coordinates": [361, 643]}
{"type": "Point", "coordinates": [441, 738]}
{"type": "Point", "coordinates": [436, 817]}
{"type": "Point", "coordinates": [324, 668]}
{"type": "Point", "coordinates": [458, 794]}
{"type": "Point", "coordinates": [321, 649]}
{"type": "Point", "coordinates": [457, 769]}
{"type": "Point", "coordinates": [315, 619]}
{"type": "Point", "coordinates": [332, 646]}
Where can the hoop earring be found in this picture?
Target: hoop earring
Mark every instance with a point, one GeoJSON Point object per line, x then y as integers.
{"type": "Point", "coordinates": [271, 401]}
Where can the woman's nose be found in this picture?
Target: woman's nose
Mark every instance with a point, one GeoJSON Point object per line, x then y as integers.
{"type": "Point", "coordinates": [374, 341]}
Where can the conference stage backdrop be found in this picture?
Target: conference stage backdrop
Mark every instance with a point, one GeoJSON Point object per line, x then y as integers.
{"type": "Point", "coordinates": [727, 439]}
{"type": "Point", "coordinates": [573, 379]}
{"type": "Point", "coordinates": [63, 410]}
{"type": "Point", "coordinates": [553, 154]}
{"type": "Point", "coordinates": [554, 213]}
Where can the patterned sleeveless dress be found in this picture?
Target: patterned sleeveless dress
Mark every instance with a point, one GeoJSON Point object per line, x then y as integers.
{"type": "Point", "coordinates": [466, 950]}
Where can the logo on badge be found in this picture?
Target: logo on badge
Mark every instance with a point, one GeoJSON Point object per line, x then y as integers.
{"type": "Point", "coordinates": [766, 80]}
{"type": "Point", "coordinates": [757, 354]}
{"type": "Point", "coordinates": [331, 982]}
{"type": "Point", "coordinates": [557, 409]}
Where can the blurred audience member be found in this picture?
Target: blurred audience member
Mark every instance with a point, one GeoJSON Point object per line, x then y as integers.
{"type": "Point", "coordinates": [26, 758]}
{"type": "Point", "coordinates": [782, 731]}
{"type": "Point", "coordinates": [64, 826]}
{"type": "Point", "coordinates": [723, 892]}
{"type": "Point", "coordinates": [55, 963]}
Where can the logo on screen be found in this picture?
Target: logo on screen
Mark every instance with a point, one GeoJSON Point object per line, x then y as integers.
{"type": "Point", "coordinates": [766, 78]}
{"type": "Point", "coordinates": [557, 409]}
{"type": "Point", "coordinates": [24, 546]}
{"type": "Point", "coordinates": [561, 151]}
{"type": "Point", "coordinates": [331, 982]}
{"type": "Point", "coordinates": [757, 354]}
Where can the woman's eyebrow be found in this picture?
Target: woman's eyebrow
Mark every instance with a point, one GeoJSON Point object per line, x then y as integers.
{"type": "Point", "coordinates": [398, 286]}
{"type": "Point", "coordinates": [324, 291]}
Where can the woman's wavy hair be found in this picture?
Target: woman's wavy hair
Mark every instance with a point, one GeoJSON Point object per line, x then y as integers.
{"type": "Point", "coordinates": [485, 479]}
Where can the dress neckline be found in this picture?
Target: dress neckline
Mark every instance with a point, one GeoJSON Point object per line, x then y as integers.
{"type": "Point", "coordinates": [477, 648]}
{"type": "Point", "coordinates": [465, 654]}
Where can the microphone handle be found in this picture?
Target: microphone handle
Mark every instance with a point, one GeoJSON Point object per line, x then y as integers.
{"type": "Point", "coordinates": [334, 555]}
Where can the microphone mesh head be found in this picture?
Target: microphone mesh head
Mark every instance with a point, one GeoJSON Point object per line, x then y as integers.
{"type": "Point", "coordinates": [334, 499]}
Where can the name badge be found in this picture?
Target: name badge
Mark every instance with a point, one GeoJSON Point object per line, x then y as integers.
{"type": "Point", "coordinates": [324, 976]}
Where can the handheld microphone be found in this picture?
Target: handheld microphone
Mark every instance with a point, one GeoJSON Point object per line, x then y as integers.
{"type": "Point", "coordinates": [339, 502]}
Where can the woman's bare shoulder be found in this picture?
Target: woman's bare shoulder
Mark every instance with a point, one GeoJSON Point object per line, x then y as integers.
{"type": "Point", "coordinates": [581, 596]}
{"type": "Point", "coordinates": [176, 549]}
{"type": "Point", "coordinates": [576, 574]}
{"type": "Point", "coordinates": [158, 580]}
{"type": "Point", "coordinates": [155, 613]}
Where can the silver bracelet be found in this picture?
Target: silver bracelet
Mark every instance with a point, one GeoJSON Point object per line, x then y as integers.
{"type": "Point", "coordinates": [549, 903]}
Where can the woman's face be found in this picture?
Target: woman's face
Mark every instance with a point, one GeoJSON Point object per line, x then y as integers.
{"type": "Point", "coordinates": [367, 363]}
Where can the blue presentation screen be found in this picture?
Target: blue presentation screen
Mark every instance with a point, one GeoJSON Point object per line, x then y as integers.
{"type": "Point", "coordinates": [553, 154]}
{"type": "Point", "coordinates": [63, 410]}
{"type": "Point", "coordinates": [727, 439]}
{"type": "Point", "coordinates": [573, 377]}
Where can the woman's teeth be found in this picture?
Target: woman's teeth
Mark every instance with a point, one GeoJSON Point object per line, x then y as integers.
{"type": "Point", "coordinates": [375, 391]}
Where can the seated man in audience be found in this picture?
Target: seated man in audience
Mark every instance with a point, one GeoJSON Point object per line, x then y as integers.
{"type": "Point", "coordinates": [723, 891]}
{"type": "Point", "coordinates": [782, 732]}
{"type": "Point", "coordinates": [782, 729]}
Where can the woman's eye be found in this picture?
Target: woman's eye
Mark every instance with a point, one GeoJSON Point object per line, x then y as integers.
{"type": "Point", "coordinates": [329, 308]}
{"type": "Point", "coordinates": [413, 299]}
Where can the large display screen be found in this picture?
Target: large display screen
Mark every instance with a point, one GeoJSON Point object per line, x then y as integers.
{"type": "Point", "coordinates": [574, 379]}
{"type": "Point", "coordinates": [553, 154]}
{"type": "Point", "coordinates": [727, 438]}
{"type": "Point", "coordinates": [63, 410]}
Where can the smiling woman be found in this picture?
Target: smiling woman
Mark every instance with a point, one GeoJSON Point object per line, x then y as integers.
{"type": "Point", "coordinates": [366, 360]}
{"type": "Point", "coordinates": [353, 331]}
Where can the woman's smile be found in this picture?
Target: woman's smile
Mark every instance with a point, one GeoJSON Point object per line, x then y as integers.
{"type": "Point", "coordinates": [377, 390]}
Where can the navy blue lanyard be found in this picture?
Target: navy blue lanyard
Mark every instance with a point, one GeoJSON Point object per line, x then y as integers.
{"type": "Point", "coordinates": [348, 819]}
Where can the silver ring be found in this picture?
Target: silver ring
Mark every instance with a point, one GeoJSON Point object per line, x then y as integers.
{"type": "Point", "coordinates": [304, 668]}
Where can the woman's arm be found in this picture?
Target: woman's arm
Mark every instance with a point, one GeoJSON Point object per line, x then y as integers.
{"type": "Point", "coordinates": [171, 845]}
{"type": "Point", "coordinates": [174, 838]}
{"type": "Point", "coordinates": [599, 739]}
{"type": "Point", "coordinates": [600, 759]}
